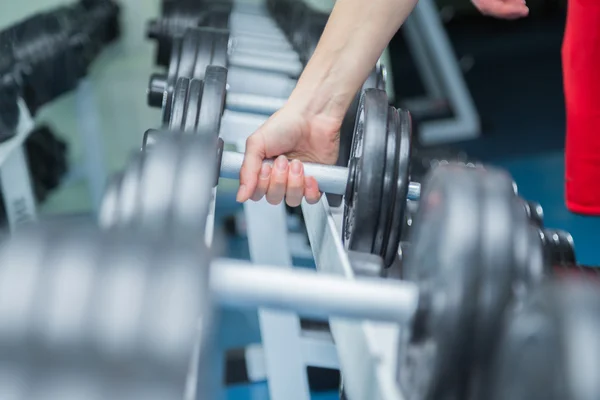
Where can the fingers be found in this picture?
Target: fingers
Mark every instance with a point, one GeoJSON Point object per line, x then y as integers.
{"type": "Point", "coordinates": [295, 184]}
{"type": "Point", "coordinates": [311, 190]}
{"type": "Point", "coordinates": [278, 182]}
{"type": "Point", "coordinates": [507, 9]}
{"type": "Point", "coordinates": [251, 167]}
{"type": "Point", "coordinates": [284, 179]}
{"type": "Point", "coordinates": [263, 182]}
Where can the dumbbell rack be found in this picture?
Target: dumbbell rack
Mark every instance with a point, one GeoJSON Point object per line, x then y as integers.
{"type": "Point", "coordinates": [15, 180]}
{"type": "Point", "coordinates": [364, 351]}
{"type": "Point", "coordinates": [367, 351]}
{"type": "Point", "coordinates": [286, 348]}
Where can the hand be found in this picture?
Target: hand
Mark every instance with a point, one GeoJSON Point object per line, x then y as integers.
{"type": "Point", "coordinates": [505, 9]}
{"type": "Point", "coordinates": [287, 135]}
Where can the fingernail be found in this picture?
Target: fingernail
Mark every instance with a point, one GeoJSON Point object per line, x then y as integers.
{"type": "Point", "coordinates": [265, 171]}
{"type": "Point", "coordinates": [308, 183]}
{"type": "Point", "coordinates": [240, 194]}
{"type": "Point", "coordinates": [281, 163]}
{"type": "Point", "coordinates": [296, 167]}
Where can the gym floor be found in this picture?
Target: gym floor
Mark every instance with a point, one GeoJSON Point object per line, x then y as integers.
{"type": "Point", "coordinates": [515, 78]}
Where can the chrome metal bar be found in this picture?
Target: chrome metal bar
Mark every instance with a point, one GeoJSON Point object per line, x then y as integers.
{"type": "Point", "coordinates": [244, 285]}
{"type": "Point", "coordinates": [366, 350]}
{"type": "Point", "coordinates": [254, 103]}
{"type": "Point", "coordinates": [331, 178]}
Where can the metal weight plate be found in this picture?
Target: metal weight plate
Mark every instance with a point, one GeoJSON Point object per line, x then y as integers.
{"type": "Point", "coordinates": [196, 174]}
{"type": "Point", "coordinates": [133, 303]}
{"type": "Point", "coordinates": [107, 217]}
{"type": "Point", "coordinates": [388, 183]}
{"type": "Point", "coordinates": [129, 201]}
{"type": "Point", "coordinates": [187, 57]}
{"type": "Point", "coordinates": [397, 221]}
{"type": "Point", "coordinates": [204, 54]}
{"type": "Point", "coordinates": [503, 251]}
{"type": "Point", "coordinates": [529, 362]}
{"type": "Point", "coordinates": [363, 193]}
{"type": "Point", "coordinates": [179, 104]}
{"type": "Point", "coordinates": [194, 101]}
{"type": "Point", "coordinates": [171, 80]}
{"type": "Point", "coordinates": [444, 261]}
{"type": "Point", "coordinates": [213, 101]}
{"type": "Point", "coordinates": [376, 80]}
{"type": "Point", "coordinates": [550, 347]}
{"type": "Point", "coordinates": [559, 247]}
{"type": "Point", "coordinates": [220, 47]}
{"type": "Point", "coordinates": [157, 187]}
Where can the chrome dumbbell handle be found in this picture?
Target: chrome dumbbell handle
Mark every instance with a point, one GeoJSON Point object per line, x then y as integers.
{"type": "Point", "coordinates": [331, 178]}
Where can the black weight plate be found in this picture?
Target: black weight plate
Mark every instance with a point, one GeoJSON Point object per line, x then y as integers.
{"type": "Point", "coordinates": [171, 81]}
{"type": "Point", "coordinates": [193, 107]}
{"type": "Point", "coordinates": [388, 183]}
{"type": "Point", "coordinates": [195, 178]}
{"type": "Point", "coordinates": [220, 47]}
{"type": "Point", "coordinates": [204, 55]}
{"type": "Point", "coordinates": [529, 364]}
{"type": "Point", "coordinates": [187, 57]}
{"type": "Point", "coordinates": [376, 80]}
{"type": "Point", "coordinates": [363, 194]}
{"type": "Point", "coordinates": [179, 104]}
{"type": "Point", "coordinates": [503, 240]}
{"type": "Point", "coordinates": [551, 347]}
{"type": "Point", "coordinates": [397, 219]}
{"type": "Point", "coordinates": [444, 261]}
{"type": "Point", "coordinates": [558, 247]}
{"type": "Point", "coordinates": [213, 101]}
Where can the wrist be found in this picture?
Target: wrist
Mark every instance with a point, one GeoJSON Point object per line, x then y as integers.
{"type": "Point", "coordinates": [321, 90]}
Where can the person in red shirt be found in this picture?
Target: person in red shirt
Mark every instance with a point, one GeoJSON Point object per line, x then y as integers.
{"type": "Point", "coordinates": [307, 127]}
{"type": "Point", "coordinates": [581, 80]}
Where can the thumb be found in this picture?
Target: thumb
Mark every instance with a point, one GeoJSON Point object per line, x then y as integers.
{"type": "Point", "coordinates": [253, 158]}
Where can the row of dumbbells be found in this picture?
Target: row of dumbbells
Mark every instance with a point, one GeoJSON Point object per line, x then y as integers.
{"type": "Point", "coordinates": [79, 306]}
{"type": "Point", "coordinates": [194, 99]}
{"type": "Point", "coordinates": [45, 55]}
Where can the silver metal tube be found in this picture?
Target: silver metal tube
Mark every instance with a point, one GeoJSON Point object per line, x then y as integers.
{"type": "Point", "coordinates": [291, 68]}
{"type": "Point", "coordinates": [261, 42]}
{"type": "Point", "coordinates": [331, 178]}
{"type": "Point", "coordinates": [242, 80]}
{"type": "Point", "coordinates": [245, 285]}
{"type": "Point", "coordinates": [253, 103]}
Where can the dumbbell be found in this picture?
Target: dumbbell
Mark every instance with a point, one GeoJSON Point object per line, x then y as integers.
{"type": "Point", "coordinates": [79, 307]}
{"type": "Point", "coordinates": [466, 266]}
{"type": "Point", "coordinates": [549, 348]}
{"type": "Point", "coordinates": [466, 271]}
{"type": "Point", "coordinates": [302, 25]}
{"type": "Point", "coordinates": [200, 48]}
{"type": "Point", "coordinates": [376, 183]}
{"type": "Point", "coordinates": [474, 253]}
{"type": "Point", "coordinates": [173, 25]}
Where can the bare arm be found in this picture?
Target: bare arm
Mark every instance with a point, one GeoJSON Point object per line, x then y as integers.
{"type": "Point", "coordinates": [307, 127]}
{"type": "Point", "coordinates": [355, 36]}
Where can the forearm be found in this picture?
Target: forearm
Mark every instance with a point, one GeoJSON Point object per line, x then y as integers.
{"type": "Point", "coordinates": [355, 36]}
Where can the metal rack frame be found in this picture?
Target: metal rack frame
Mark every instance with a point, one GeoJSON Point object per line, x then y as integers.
{"type": "Point", "coordinates": [15, 180]}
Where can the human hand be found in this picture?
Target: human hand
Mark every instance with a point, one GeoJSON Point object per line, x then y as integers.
{"type": "Point", "coordinates": [290, 134]}
{"type": "Point", "coordinates": [505, 9]}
